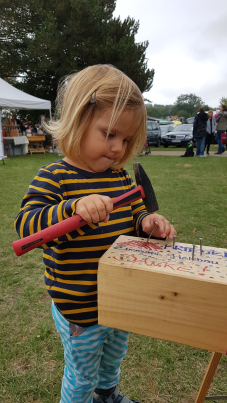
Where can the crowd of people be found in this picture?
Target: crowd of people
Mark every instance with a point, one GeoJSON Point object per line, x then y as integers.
{"type": "Point", "coordinates": [204, 127]}
{"type": "Point", "coordinates": [26, 129]}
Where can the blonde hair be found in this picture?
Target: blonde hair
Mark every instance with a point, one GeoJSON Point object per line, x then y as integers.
{"type": "Point", "coordinates": [210, 111]}
{"type": "Point", "coordinates": [112, 89]}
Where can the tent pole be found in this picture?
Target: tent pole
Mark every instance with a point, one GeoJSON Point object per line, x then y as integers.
{"type": "Point", "coordinates": [52, 137]}
{"type": "Point", "coordinates": [2, 156]}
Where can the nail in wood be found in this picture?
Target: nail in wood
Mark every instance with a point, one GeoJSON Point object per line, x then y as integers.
{"type": "Point", "coordinates": [193, 251]}
{"type": "Point", "coordinates": [200, 241]}
{"type": "Point", "coordinates": [174, 239]}
{"type": "Point", "coordinates": [152, 231]}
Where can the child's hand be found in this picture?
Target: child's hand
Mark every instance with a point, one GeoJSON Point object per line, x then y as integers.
{"type": "Point", "coordinates": [162, 230]}
{"type": "Point", "coordinates": [94, 208]}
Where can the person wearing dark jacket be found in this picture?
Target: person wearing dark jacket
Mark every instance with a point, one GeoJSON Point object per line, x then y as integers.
{"type": "Point", "coordinates": [199, 131]}
{"type": "Point", "coordinates": [210, 130]}
{"type": "Point", "coordinates": [221, 127]}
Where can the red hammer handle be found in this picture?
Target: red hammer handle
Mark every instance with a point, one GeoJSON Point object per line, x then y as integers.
{"type": "Point", "coordinates": [70, 224]}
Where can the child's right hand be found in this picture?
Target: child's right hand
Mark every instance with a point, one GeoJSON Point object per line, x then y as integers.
{"type": "Point", "coordinates": [94, 208]}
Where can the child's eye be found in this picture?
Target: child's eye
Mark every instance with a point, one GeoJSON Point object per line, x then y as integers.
{"type": "Point", "coordinates": [111, 135]}
{"type": "Point", "coordinates": [126, 140]}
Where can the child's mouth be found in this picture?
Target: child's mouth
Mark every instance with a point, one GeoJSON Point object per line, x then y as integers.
{"type": "Point", "coordinates": [109, 158]}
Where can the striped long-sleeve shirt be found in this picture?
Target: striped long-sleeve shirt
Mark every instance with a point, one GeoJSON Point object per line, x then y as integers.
{"type": "Point", "coordinates": [71, 261]}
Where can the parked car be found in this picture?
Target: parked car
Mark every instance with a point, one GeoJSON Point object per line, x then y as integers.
{"type": "Point", "coordinates": [153, 134]}
{"type": "Point", "coordinates": [166, 129]}
{"type": "Point", "coordinates": [224, 139]}
{"type": "Point", "coordinates": [180, 136]}
{"type": "Point", "coordinates": [190, 120]}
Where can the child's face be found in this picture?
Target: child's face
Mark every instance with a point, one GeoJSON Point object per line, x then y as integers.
{"type": "Point", "coordinates": [98, 153]}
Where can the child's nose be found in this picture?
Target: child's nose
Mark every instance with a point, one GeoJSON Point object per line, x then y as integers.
{"type": "Point", "coordinates": [117, 145]}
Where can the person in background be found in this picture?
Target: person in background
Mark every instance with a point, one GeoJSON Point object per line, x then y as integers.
{"type": "Point", "coordinates": [215, 117]}
{"type": "Point", "coordinates": [221, 128]}
{"type": "Point", "coordinates": [41, 128]}
{"type": "Point", "coordinates": [18, 123]}
{"type": "Point", "coordinates": [34, 129]}
{"type": "Point", "coordinates": [41, 121]}
{"type": "Point", "coordinates": [199, 131]}
{"type": "Point", "coordinates": [210, 130]}
{"type": "Point", "coordinates": [216, 113]}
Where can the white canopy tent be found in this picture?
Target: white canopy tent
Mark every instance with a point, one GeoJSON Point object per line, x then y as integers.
{"type": "Point", "coordinates": [12, 98]}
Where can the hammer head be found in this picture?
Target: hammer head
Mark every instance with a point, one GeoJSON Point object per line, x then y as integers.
{"type": "Point", "coordinates": [142, 179]}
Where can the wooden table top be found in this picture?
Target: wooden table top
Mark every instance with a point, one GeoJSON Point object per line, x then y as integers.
{"type": "Point", "coordinates": [36, 138]}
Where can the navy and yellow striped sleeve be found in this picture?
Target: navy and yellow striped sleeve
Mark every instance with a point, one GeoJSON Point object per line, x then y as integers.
{"type": "Point", "coordinates": [54, 191]}
{"type": "Point", "coordinates": [45, 205]}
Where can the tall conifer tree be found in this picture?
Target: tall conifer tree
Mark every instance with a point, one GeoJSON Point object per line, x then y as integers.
{"type": "Point", "coordinates": [44, 40]}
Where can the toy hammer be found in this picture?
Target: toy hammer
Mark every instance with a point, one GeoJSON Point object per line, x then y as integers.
{"type": "Point", "coordinates": [70, 224]}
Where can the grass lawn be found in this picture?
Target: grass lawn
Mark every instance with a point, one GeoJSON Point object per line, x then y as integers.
{"type": "Point", "coordinates": [213, 147]}
{"type": "Point", "coordinates": [192, 194]}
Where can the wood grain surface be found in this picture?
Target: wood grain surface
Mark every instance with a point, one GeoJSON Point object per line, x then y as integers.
{"type": "Point", "coordinates": [155, 290]}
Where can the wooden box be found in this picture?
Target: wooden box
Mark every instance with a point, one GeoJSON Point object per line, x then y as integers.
{"type": "Point", "coordinates": [14, 133]}
{"type": "Point", "coordinates": [155, 290]}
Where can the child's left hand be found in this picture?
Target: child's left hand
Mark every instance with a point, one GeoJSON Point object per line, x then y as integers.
{"type": "Point", "coordinates": [162, 230]}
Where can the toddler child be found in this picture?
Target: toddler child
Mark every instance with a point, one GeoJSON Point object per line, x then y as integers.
{"type": "Point", "coordinates": [100, 125]}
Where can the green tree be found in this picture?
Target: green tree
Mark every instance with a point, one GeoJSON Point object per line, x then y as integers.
{"type": "Point", "coordinates": [189, 103]}
{"type": "Point", "coordinates": [223, 101]}
{"type": "Point", "coordinates": [42, 41]}
{"type": "Point", "coordinates": [164, 112]}
{"type": "Point", "coordinates": [208, 107]}
{"type": "Point", "coordinates": [175, 111]}
{"type": "Point", "coordinates": [153, 112]}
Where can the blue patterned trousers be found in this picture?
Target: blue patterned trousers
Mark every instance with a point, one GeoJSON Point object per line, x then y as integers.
{"type": "Point", "coordinates": [92, 359]}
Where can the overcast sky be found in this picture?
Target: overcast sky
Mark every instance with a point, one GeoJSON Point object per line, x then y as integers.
{"type": "Point", "coordinates": [187, 46]}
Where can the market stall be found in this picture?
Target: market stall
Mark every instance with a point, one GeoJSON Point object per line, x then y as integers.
{"type": "Point", "coordinates": [12, 98]}
{"type": "Point", "coordinates": [16, 145]}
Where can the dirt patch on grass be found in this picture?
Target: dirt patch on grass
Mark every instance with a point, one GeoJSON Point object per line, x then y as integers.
{"type": "Point", "coordinates": [21, 367]}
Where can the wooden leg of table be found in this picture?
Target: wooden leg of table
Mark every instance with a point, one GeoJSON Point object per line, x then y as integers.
{"type": "Point", "coordinates": [208, 377]}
